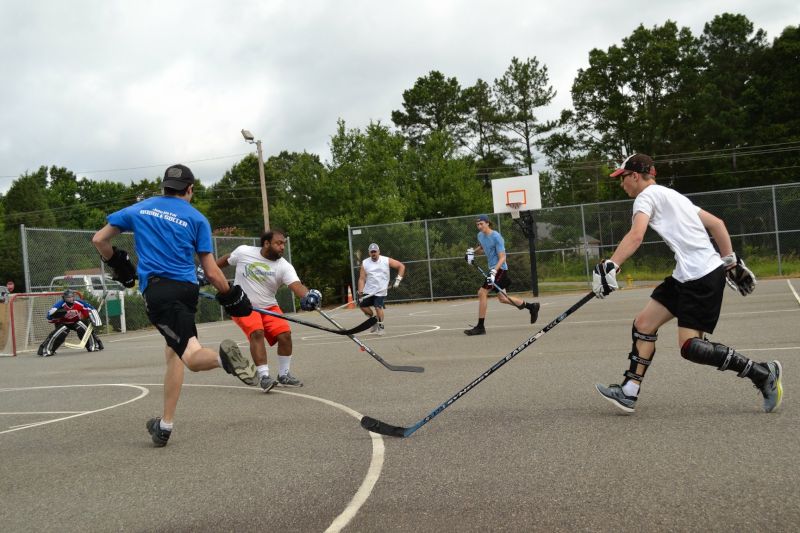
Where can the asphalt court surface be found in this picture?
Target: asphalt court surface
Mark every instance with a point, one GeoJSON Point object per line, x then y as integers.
{"type": "Point", "coordinates": [532, 448]}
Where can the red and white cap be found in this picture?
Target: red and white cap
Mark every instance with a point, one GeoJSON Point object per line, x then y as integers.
{"type": "Point", "coordinates": [641, 163]}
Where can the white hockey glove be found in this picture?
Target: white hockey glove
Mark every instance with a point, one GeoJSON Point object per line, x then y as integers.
{"type": "Point", "coordinates": [604, 278]}
{"type": "Point", "coordinates": [490, 277]}
{"type": "Point", "coordinates": [397, 281]}
{"type": "Point", "coordinates": [738, 276]}
{"type": "Point", "coordinates": [470, 255]}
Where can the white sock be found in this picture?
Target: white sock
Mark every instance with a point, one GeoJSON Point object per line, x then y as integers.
{"type": "Point", "coordinates": [164, 425]}
{"type": "Point", "coordinates": [631, 389]}
{"type": "Point", "coordinates": [284, 362]}
{"type": "Point", "coordinates": [263, 370]}
{"type": "Point", "coordinates": [219, 362]}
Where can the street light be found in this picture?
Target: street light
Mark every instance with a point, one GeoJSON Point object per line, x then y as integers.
{"type": "Point", "coordinates": [248, 137]}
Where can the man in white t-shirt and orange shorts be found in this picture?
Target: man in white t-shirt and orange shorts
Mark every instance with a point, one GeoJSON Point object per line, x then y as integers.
{"type": "Point", "coordinates": [261, 272]}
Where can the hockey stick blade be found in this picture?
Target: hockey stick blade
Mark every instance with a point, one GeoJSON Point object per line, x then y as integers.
{"type": "Point", "coordinates": [371, 352]}
{"type": "Point", "coordinates": [371, 321]}
{"type": "Point", "coordinates": [376, 426]}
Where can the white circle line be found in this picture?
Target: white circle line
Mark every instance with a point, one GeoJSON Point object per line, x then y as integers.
{"type": "Point", "coordinates": [375, 464]}
{"type": "Point", "coordinates": [143, 392]}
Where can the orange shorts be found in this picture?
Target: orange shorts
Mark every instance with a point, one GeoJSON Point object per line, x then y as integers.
{"type": "Point", "coordinates": [271, 325]}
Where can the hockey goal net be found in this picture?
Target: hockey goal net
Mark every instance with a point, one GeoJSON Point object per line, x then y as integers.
{"type": "Point", "coordinates": [23, 321]}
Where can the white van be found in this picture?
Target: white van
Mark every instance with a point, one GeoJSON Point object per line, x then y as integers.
{"type": "Point", "coordinates": [93, 284]}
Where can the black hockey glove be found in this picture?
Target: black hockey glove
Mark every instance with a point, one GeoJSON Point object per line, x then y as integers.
{"type": "Point", "coordinates": [235, 302]}
{"type": "Point", "coordinates": [124, 271]}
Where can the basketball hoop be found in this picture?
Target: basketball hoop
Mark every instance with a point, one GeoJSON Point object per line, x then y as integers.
{"type": "Point", "coordinates": [514, 207]}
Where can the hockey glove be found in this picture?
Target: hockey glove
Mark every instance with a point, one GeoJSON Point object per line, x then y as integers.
{"type": "Point", "coordinates": [397, 281]}
{"type": "Point", "coordinates": [124, 271]}
{"type": "Point", "coordinates": [738, 276]}
{"type": "Point", "coordinates": [604, 278]}
{"type": "Point", "coordinates": [235, 302]}
{"type": "Point", "coordinates": [311, 301]}
{"type": "Point", "coordinates": [470, 255]}
{"type": "Point", "coordinates": [490, 277]}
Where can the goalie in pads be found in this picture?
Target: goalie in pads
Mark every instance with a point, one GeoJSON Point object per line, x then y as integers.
{"type": "Point", "coordinates": [68, 315]}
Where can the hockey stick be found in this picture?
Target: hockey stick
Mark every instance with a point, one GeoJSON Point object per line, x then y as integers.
{"type": "Point", "coordinates": [376, 426]}
{"type": "Point", "coordinates": [371, 321]}
{"type": "Point", "coordinates": [364, 347]}
{"type": "Point", "coordinates": [89, 329]}
{"type": "Point", "coordinates": [495, 287]}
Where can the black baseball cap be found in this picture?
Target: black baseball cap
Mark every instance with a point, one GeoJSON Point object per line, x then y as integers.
{"type": "Point", "coordinates": [641, 163]}
{"type": "Point", "coordinates": [178, 177]}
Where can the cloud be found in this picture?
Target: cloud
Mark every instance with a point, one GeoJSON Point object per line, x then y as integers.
{"type": "Point", "coordinates": [95, 85]}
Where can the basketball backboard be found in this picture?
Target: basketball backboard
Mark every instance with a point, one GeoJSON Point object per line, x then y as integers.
{"type": "Point", "coordinates": [523, 190]}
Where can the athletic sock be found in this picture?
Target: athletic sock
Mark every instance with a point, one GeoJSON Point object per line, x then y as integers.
{"type": "Point", "coordinates": [284, 362]}
{"type": "Point", "coordinates": [523, 305]}
{"type": "Point", "coordinates": [480, 322]}
{"type": "Point", "coordinates": [219, 362]}
{"type": "Point", "coordinates": [631, 388]}
{"type": "Point", "coordinates": [263, 370]}
{"type": "Point", "coordinates": [164, 425]}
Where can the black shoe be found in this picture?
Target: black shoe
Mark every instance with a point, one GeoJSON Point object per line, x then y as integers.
{"type": "Point", "coordinates": [533, 307]}
{"type": "Point", "coordinates": [477, 330]}
{"type": "Point", "coordinates": [160, 436]}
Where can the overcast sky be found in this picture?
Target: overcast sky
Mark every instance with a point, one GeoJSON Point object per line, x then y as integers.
{"type": "Point", "coordinates": [114, 86]}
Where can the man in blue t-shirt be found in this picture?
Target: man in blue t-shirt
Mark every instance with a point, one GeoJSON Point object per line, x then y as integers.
{"type": "Point", "coordinates": [493, 245]}
{"type": "Point", "coordinates": [167, 233]}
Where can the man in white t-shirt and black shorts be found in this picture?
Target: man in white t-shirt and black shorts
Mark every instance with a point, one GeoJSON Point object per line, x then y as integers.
{"type": "Point", "coordinates": [261, 272]}
{"type": "Point", "coordinates": [692, 294]}
{"type": "Point", "coordinates": [373, 283]}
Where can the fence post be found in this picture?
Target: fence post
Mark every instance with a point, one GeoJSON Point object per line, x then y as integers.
{"type": "Point", "coordinates": [428, 254]}
{"type": "Point", "coordinates": [777, 233]}
{"type": "Point", "coordinates": [585, 245]}
{"type": "Point", "coordinates": [24, 240]}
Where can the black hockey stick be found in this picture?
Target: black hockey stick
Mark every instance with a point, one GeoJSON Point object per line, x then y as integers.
{"type": "Point", "coordinates": [376, 426]}
{"type": "Point", "coordinates": [371, 321]}
{"type": "Point", "coordinates": [364, 347]}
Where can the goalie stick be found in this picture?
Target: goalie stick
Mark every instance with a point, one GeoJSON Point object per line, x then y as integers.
{"type": "Point", "coordinates": [371, 321]}
{"type": "Point", "coordinates": [364, 347]}
{"type": "Point", "coordinates": [376, 426]}
{"type": "Point", "coordinates": [89, 329]}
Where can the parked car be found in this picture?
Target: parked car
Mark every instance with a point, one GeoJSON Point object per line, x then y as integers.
{"type": "Point", "coordinates": [93, 284]}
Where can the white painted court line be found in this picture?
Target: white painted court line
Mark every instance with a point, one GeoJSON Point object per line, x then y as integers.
{"type": "Point", "coordinates": [796, 297]}
{"type": "Point", "coordinates": [142, 393]}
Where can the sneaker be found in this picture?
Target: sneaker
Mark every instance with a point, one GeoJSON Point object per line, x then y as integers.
{"type": "Point", "coordinates": [237, 364]}
{"type": "Point", "coordinates": [267, 383]}
{"type": "Point", "coordinates": [772, 390]}
{"type": "Point", "coordinates": [533, 307]}
{"type": "Point", "coordinates": [614, 394]}
{"type": "Point", "coordinates": [288, 380]}
{"type": "Point", "coordinates": [374, 328]}
{"type": "Point", "coordinates": [160, 436]}
{"type": "Point", "coordinates": [477, 330]}
{"type": "Point", "coordinates": [380, 328]}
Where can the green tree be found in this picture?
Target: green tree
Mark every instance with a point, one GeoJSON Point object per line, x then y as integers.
{"type": "Point", "coordinates": [523, 89]}
{"type": "Point", "coordinates": [486, 141]}
{"type": "Point", "coordinates": [434, 103]}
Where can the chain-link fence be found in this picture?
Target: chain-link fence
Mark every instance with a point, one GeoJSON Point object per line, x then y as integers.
{"type": "Point", "coordinates": [55, 259]}
{"type": "Point", "coordinates": [764, 223]}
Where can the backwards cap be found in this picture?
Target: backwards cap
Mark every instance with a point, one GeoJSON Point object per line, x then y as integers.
{"type": "Point", "coordinates": [641, 163]}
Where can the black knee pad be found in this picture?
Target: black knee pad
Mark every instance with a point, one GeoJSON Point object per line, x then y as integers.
{"type": "Point", "coordinates": [637, 335]}
{"type": "Point", "coordinates": [709, 353]}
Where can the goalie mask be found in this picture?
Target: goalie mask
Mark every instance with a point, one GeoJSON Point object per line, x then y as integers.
{"type": "Point", "coordinates": [69, 296]}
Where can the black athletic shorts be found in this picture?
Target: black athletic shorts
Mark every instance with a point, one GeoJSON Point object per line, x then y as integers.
{"type": "Point", "coordinates": [171, 306]}
{"type": "Point", "coordinates": [501, 279]}
{"type": "Point", "coordinates": [696, 303]}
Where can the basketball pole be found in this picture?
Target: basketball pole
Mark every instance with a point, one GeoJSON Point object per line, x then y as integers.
{"type": "Point", "coordinates": [528, 227]}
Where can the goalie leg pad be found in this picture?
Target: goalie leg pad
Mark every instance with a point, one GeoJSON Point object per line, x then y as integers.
{"type": "Point", "coordinates": [705, 352]}
{"type": "Point", "coordinates": [56, 339]}
{"type": "Point", "coordinates": [634, 356]}
{"type": "Point", "coordinates": [94, 318]}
